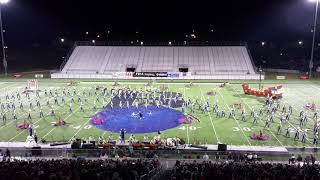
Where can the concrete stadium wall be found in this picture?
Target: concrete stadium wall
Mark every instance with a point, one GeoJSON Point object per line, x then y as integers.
{"type": "Point", "coordinates": [281, 71]}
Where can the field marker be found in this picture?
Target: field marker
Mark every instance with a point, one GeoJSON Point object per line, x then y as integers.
{"type": "Point", "coordinates": [251, 110]}
{"type": "Point", "coordinates": [214, 129]}
{"type": "Point", "coordinates": [234, 118]}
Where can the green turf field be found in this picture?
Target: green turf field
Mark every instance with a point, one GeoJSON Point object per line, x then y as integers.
{"type": "Point", "coordinates": [210, 130]}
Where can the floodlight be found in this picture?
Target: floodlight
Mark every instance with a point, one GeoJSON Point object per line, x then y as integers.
{"type": "Point", "coordinates": [4, 1]}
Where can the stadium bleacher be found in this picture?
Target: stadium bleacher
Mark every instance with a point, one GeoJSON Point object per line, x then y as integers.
{"type": "Point", "coordinates": [203, 62]}
{"type": "Point", "coordinates": [243, 170]}
{"type": "Point", "coordinates": [76, 169]}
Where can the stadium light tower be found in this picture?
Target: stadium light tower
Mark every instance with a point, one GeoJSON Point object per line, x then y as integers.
{"type": "Point", "coordinates": [260, 76]}
{"type": "Point", "coordinates": [314, 36]}
{"type": "Point", "coordinates": [5, 64]}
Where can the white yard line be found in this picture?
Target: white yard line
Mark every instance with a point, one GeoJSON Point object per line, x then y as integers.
{"type": "Point", "coordinates": [10, 86]}
{"type": "Point", "coordinates": [214, 129]}
{"type": "Point", "coordinates": [56, 126]}
{"type": "Point", "coordinates": [22, 113]}
{"type": "Point", "coordinates": [286, 102]}
{"type": "Point", "coordinates": [80, 129]}
{"type": "Point", "coordinates": [251, 110]}
{"type": "Point", "coordinates": [33, 123]}
{"type": "Point", "coordinates": [64, 119]}
{"type": "Point", "coordinates": [314, 86]}
{"type": "Point", "coordinates": [234, 118]}
{"type": "Point", "coordinates": [188, 137]}
{"type": "Point", "coordinates": [5, 87]}
{"type": "Point", "coordinates": [276, 137]}
{"type": "Point", "coordinates": [49, 132]}
{"type": "Point", "coordinates": [7, 124]}
{"type": "Point", "coordinates": [103, 134]}
{"type": "Point", "coordinates": [311, 98]}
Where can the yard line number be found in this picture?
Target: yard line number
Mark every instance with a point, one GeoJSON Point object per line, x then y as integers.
{"type": "Point", "coordinates": [247, 129]}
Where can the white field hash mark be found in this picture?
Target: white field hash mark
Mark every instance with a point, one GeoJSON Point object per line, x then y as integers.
{"type": "Point", "coordinates": [33, 123]}
{"type": "Point", "coordinates": [188, 138]}
{"type": "Point", "coordinates": [251, 110]}
{"type": "Point", "coordinates": [56, 126]}
{"type": "Point", "coordinates": [234, 117]}
{"type": "Point", "coordinates": [214, 129]}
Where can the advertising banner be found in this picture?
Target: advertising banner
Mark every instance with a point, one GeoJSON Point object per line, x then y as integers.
{"type": "Point", "coordinates": [173, 74]}
{"type": "Point", "coordinates": [150, 74]}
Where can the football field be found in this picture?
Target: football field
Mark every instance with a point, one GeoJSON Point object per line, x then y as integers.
{"type": "Point", "coordinates": [208, 129]}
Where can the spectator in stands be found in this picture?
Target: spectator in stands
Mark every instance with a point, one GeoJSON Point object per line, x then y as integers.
{"type": "Point", "coordinates": [8, 154]}
{"type": "Point", "coordinates": [243, 171]}
{"type": "Point", "coordinates": [307, 160]}
{"type": "Point", "coordinates": [299, 159]}
{"type": "Point", "coordinates": [76, 169]}
{"type": "Point", "coordinates": [250, 157]}
{"type": "Point", "coordinates": [255, 157]}
{"type": "Point", "coordinates": [292, 159]}
{"type": "Point", "coordinates": [205, 157]}
{"type": "Point", "coordinates": [313, 159]}
{"type": "Point", "coordinates": [117, 156]}
{"type": "Point", "coordinates": [1, 155]}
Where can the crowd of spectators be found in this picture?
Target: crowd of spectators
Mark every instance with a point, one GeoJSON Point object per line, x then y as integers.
{"type": "Point", "coordinates": [75, 169]}
{"type": "Point", "coordinates": [243, 170]}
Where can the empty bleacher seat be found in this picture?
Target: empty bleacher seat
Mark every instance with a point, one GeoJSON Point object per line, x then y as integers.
{"type": "Point", "coordinates": [200, 60]}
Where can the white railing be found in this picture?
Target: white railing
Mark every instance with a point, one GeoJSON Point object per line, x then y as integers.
{"type": "Point", "coordinates": [188, 77]}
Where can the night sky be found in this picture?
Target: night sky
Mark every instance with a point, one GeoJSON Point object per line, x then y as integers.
{"type": "Point", "coordinates": [34, 27]}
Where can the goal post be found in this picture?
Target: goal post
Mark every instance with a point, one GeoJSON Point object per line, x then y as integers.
{"type": "Point", "coordinates": [32, 85]}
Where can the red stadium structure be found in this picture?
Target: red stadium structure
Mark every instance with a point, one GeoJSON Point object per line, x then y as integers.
{"type": "Point", "coordinates": [274, 91]}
